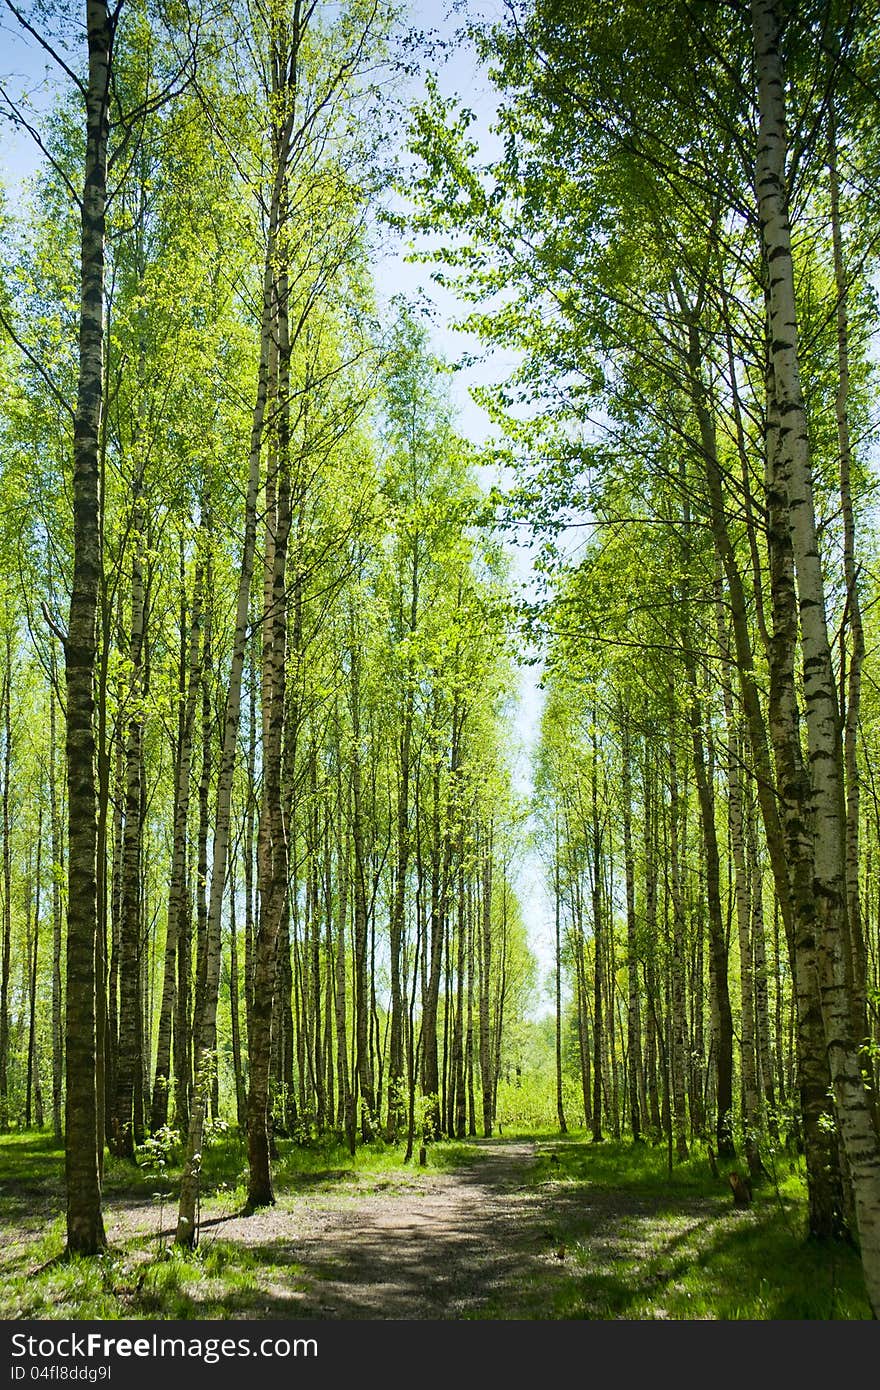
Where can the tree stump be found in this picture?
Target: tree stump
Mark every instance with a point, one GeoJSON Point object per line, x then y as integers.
{"type": "Point", "coordinates": [741, 1188]}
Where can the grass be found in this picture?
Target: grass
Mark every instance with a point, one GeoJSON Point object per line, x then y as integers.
{"type": "Point", "coordinates": [629, 1241]}
{"type": "Point", "coordinates": [620, 1238]}
{"type": "Point", "coordinates": [147, 1277]}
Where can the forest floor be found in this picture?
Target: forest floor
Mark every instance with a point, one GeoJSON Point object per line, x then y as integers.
{"type": "Point", "coordinates": [528, 1228]}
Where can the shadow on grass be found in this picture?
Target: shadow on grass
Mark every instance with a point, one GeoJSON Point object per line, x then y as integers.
{"type": "Point", "coordinates": [640, 1244]}
{"type": "Point", "coordinates": [544, 1227]}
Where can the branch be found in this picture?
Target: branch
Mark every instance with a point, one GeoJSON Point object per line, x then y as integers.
{"type": "Point", "coordinates": [37, 365]}
{"type": "Point", "coordinates": [52, 625]}
{"type": "Point", "coordinates": [56, 58]}
{"type": "Point", "coordinates": [14, 115]}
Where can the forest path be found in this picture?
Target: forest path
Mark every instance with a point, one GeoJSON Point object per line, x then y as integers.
{"type": "Point", "coordinates": [544, 1227]}
{"type": "Point", "coordinates": [426, 1244]}
{"type": "Point", "coordinates": [417, 1243]}
{"type": "Point", "coordinates": [481, 1240]}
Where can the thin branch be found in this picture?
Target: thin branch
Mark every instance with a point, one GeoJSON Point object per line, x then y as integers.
{"type": "Point", "coordinates": [52, 625]}
{"type": "Point", "coordinates": [47, 47]}
{"type": "Point", "coordinates": [37, 365]}
{"type": "Point", "coordinates": [15, 116]}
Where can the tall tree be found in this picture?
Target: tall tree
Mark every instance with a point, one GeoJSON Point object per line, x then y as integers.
{"type": "Point", "coordinates": [85, 1226]}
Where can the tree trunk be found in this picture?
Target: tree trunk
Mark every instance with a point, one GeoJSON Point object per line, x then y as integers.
{"type": "Point", "coordinates": [792, 460]}
{"type": "Point", "coordinates": [364, 1067]}
{"type": "Point", "coordinates": [57, 866]}
{"type": "Point", "coordinates": [33, 1074]}
{"type": "Point", "coordinates": [469, 1031]}
{"type": "Point", "coordinates": [315, 964]}
{"type": "Point", "coordinates": [458, 1098]}
{"type": "Point", "coordinates": [743, 904]}
{"type": "Point", "coordinates": [766, 1080]}
{"type": "Point", "coordinates": [851, 692]}
{"type": "Point", "coordinates": [413, 1046]}
{"type": "Point", "coordinates": [679, 1049]}
{"type": "Point", "coordinates": [441, 877]}
{"type": "Point", "coordinates": [106, 1026]}
{"type": "Point", "coordinates": [6, 956]}
{"type": "Point", "coordinates": [234, 1013]}
{"type": "Point", "coordinates": [598, 944]}
{"type": "Point", "coordinates": [651, 1030]}
{"type": "Point", "coordinates": [207, 1023]}
{"type": "Point", "coordinates": [398, 899]}
{"type": "Point", "coordinates": [346, 1114]}
{"type": "Point", "coordinates": [486, 1081]}
{"type": "Point", "coordinates": [557, 912]}
{"type": "Point", "coordinates": [611, 1053]}
{"type": "Point", "coordinates": [114, 904]}
{"type": "Point", "coordinates": [581, 992]}
{"type": "Point", "coordinates": [85, 1226]}
{"type": "Point", "coordinates": [182, 1034]}
{"type": "Point", "coordinates": [434, 953]}
{"type": "Point", "coordinates": [204, 791]}
{"type": "Point", "coordinates": [748, 1050]}
{"type": "Point", "coordinates": [781, 794]}
{"type": "Point", "coordinates": [717, 936]}
{"type": "Point", "coordinates": [330, 1049]}
{"type": "Point", "coordinates": [701, 1099]}
{"type": "Point", "coordinates": [177, 895]}
{"type": "Point", "coordinates": [128, 1059]}
{"type": "Point", "coordinates": [635, 1074]}
{"type": "Point", "coordinates": [500, 1000]}
{"type": "Point", "coordinates": [272, 842]}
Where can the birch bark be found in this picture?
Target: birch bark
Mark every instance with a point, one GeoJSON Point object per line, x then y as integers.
{"type": "Point", "coordinates": [85, 1225]}
{"type": "Point", "coordinates": [827, 801]}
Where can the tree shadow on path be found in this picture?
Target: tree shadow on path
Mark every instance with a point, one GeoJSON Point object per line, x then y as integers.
{"type": "Point", "coordinates": [486, 1240]}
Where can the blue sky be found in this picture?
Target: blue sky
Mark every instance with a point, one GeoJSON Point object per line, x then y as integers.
{"type": "Point", "coordinates": [460, 75]}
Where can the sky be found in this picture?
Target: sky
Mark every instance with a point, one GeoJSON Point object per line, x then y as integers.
{"type": "Point", "coordinates": [24, 66]}
{"type": "Point", "coordinates": [459, 74]}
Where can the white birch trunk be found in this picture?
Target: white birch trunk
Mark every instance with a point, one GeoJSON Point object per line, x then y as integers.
{"type": "Point", "coordinates": [854, 1116]}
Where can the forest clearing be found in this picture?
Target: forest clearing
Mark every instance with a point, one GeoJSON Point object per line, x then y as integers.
{"type": "Point", "coordinates": [439, 816]}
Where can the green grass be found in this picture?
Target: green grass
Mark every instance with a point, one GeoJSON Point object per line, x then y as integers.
{"type": "Point", "coordinates": [148, 1277]}
{"type": "Point", "coordinates": [218, 1280]}
{"type": "Point", "coordinates": [29, 1164]}
{"type": "Point", "coordinates": [622, 1238]}
{"type": "Point", "coordinates": [634, 1242]}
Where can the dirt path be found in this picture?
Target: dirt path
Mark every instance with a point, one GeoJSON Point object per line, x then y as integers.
{"type": "Point", "coordinates": [522, 1229]}
{"type": "Point", "coordinates": [435, 1247]}
{"type": "Point", "coordinates": [424, 1244]}
{"type": "Point", "coordinates": [515, 1232]}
